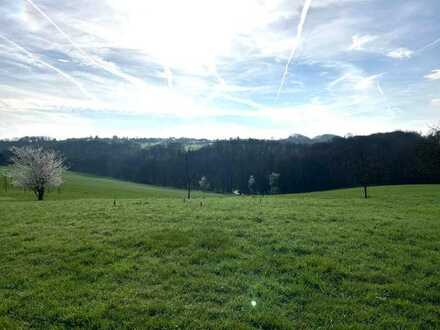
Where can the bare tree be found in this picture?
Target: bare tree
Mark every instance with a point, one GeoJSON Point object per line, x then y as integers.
{"type": "Point", "coordinates": [36, 169]}
{"type": "Point", "coordinates": [366, 166]}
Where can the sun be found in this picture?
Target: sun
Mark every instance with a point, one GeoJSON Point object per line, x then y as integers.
{"type": "Point", "coordinates": [187, 35]}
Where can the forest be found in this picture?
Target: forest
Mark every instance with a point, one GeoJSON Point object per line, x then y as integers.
{"type": "Point", "coordinates": [378, 159]}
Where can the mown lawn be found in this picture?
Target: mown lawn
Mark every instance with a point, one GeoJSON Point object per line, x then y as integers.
{"type": "Point", "coordinates": [320, 260]}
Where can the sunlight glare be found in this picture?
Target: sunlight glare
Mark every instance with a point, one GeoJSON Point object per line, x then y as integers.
{"type": "Point", "coordinates": [187, 34]}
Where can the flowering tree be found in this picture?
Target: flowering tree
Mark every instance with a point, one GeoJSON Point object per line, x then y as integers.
{"type": "Point", "coordinates": [252, 184]}
{"type": "Point", "coordinates": [204, 184]}
{"type": "Point", "coordinates": [36, 169]}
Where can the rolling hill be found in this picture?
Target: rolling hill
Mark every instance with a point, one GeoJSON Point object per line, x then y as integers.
{"type": "Point", "coordinates": [83, 186]}
{"type": "Point", "coordinates": [320, 260]}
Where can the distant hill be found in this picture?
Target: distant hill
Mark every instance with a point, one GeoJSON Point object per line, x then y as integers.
{"type": "Point", "coordinates": [302, 139]}
{"type": "Point", "coordinates": [145, 143]}
{"type": "Point", "coordinates": [325, 138]}
{"type": "Point", "coordinates": [304, 164]}
{"type": "Point", "coordinates": [299, 139]}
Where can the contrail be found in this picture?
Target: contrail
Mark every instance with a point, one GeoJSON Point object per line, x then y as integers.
{"type": "Point", "coordinates": [99, 63]}
{"type": "Point", "coordinates": [382, 93]}
{"type": "Point", "coordinates": [379, 88]}
{"type": "Point", "coordinates": [337, 81]}
{"type": "Point", "coordinates": [55, 25]}
{"type": "Point", "coordinates": [430, 45]}
{"type": "Point", "coordinates": [299, 32]}
{"type": "Point", "coordinates": [222, 86]}
{"type": "Point", "coordinates": [60, 72]}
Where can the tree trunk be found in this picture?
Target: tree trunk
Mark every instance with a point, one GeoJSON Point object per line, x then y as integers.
{"type": "Point", "coordinates": [40, 193]}
{"type": "Point", "coordinates": [365, 192]}
{"type": "Point", "coordinates": [189, 190]}
{"type": "Point", "coordinates": [188, 175]}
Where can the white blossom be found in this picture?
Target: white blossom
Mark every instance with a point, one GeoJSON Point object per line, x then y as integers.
{"type": "Point", "coordinates": [36, 169]}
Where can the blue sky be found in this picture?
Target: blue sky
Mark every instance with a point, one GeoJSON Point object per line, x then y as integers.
{"type": "Point", "coordinates": [200, 68]}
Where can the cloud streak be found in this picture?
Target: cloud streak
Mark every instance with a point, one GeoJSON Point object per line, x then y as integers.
{"type": "Point", "coordinates": [379, 88]}
{"type": "Point", "coordinates": [400, 53]}
{"type": "Point", "coordinates": [430, 45]}
{"type": "Point", "coordinates": [34, 58]}
{"type": "Point", "coordinates": [158, 64]}
{"type": "Point", "coordinates": [108, 67]}
{"type": "Point", "coordinates": [358, 42]}
{"type": "Point", "coordinates": [435, 75]}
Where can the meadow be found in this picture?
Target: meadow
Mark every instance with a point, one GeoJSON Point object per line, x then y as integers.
{"type": "Point", "coordinates": [319, 260]}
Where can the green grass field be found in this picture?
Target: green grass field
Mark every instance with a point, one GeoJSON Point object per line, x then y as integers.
{"type": "Point", "coordinates": [83, 186]}
{"type": "Point", "coordinates": [318, 260]}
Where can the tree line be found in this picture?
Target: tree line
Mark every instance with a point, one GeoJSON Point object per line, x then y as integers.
{"type": "Point", "coordinates": [254, 166]}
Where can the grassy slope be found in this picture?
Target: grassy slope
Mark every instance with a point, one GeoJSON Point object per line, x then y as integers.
{"type": "Point", "coordinates": [328, 259]}
{"type": "Point", "coordinates": [79, 186]}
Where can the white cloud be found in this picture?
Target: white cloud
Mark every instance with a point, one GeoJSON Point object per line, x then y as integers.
{"type": "Point", "coordinates": [366, 83]}
{"type": "Point", "coordinates": [337, 117]}
{"type": "Point", "coordinates": [356, 81]}
{"type": "Point", "coordinates": [435, 75]}
{"type": "Point", "coordinates": [358, 42]}
{"type": "Point", "coordinates": [222, 59]}
{"type": "Point", "coordinates": [41, 123]}
{"type": "Point", "coordinates": [400, 53]}
{"type": "Point", "coordinates": [169, 76]}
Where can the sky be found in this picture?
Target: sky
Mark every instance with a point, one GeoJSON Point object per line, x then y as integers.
{"type": "Point", "coordinates": [218, 69]}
